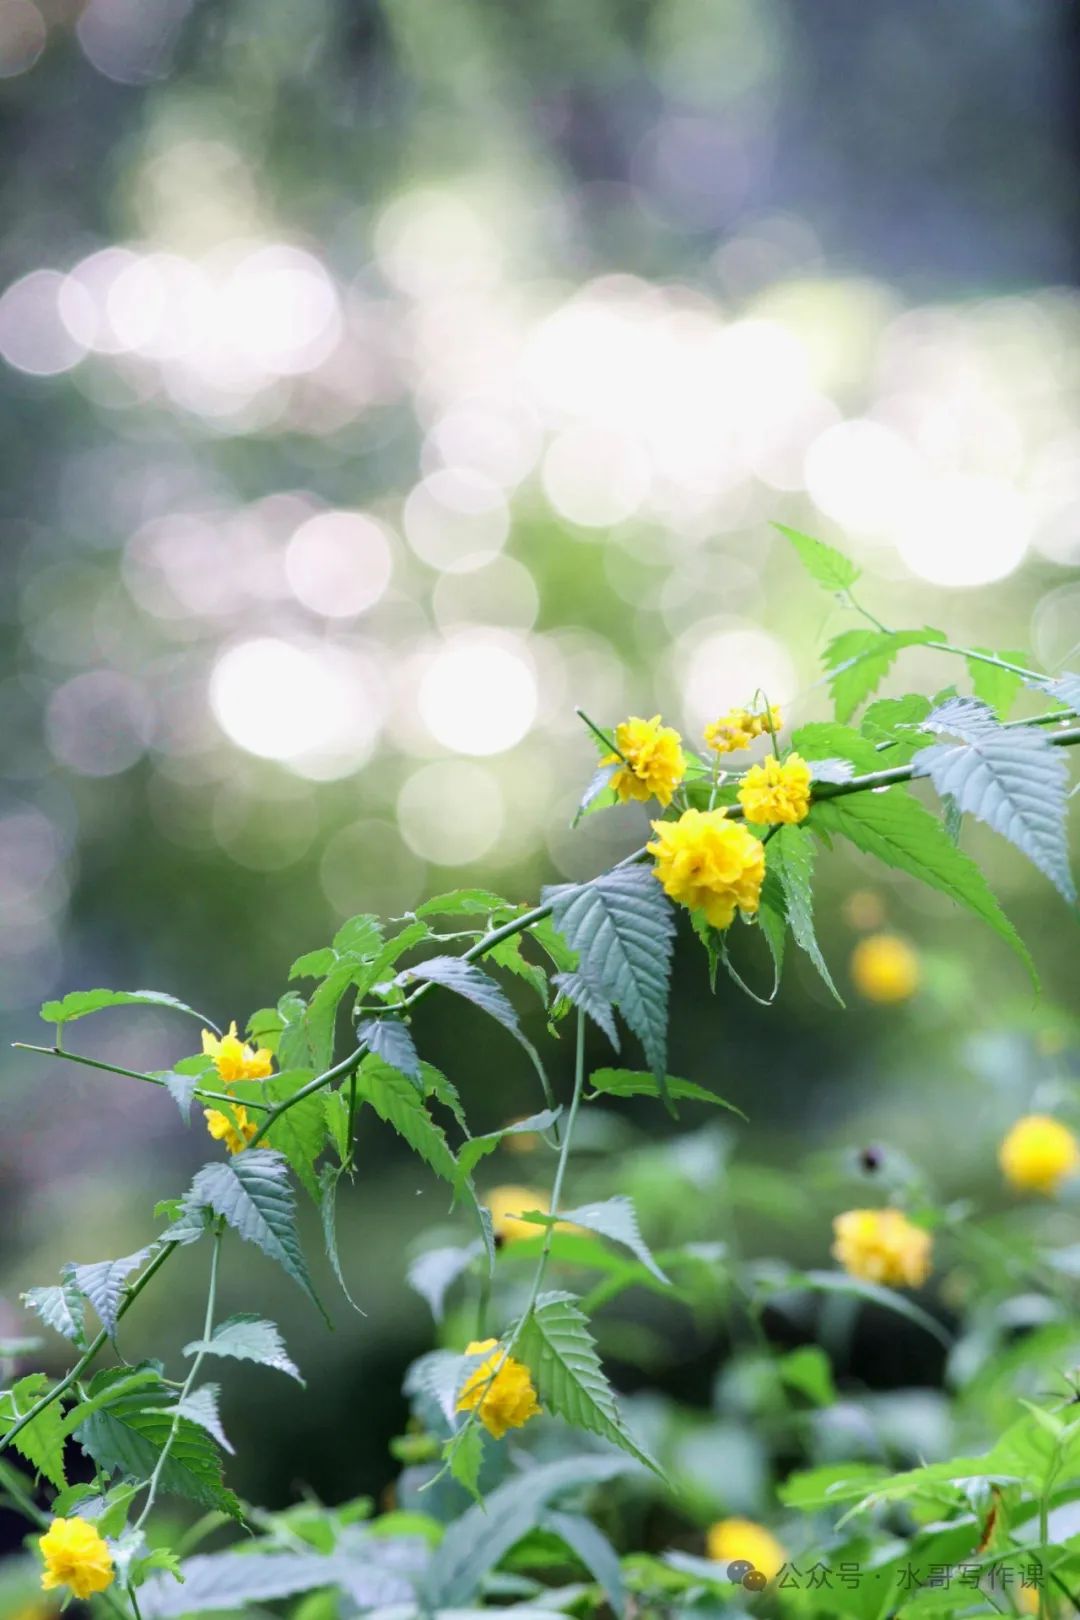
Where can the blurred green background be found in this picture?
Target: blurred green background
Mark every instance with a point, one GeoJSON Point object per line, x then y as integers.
{"type": "Point", "coordinates": [380, 380]}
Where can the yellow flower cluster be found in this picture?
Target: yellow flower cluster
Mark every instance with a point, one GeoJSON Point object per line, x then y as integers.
{"type": "Point", "coordinates": [500, 1390]}
{"type": "Point", "coordinates": [77, 1556]}
{"type": "Point", "coordinates": [738, 728]}
{"type": "Point", "coordinates": [885, 968]}
{"type": "Point", "coordinates": [1038, 1154]}
{"type": "Point", "coordinates": [709, 864]}
{"type": "Point", "coordinates": [882, 1246]}
{"type": "Point", "coordinates": [652, 761]}
{"type": "Point", "coordinates": [731, 1540]}
{"type": "Point", "coordinates": [776, 791]}
{"type": "Point", "coordinates": [234, 1060]}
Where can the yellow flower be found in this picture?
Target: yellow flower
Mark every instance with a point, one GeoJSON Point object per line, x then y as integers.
{"type": "Point", "coordinates": [506, 1398]}
{"type": "Point", "coordinates": [776, 791]}
{"type": "Point", "coordinates": [882, 1246]}
{"type": "Point", "coordinates": [731, 1539]}
{"type": "Point", "coordinates": [653, 761]}
{"type": "Point", "coordinates": [885, 968]}
{"type": "Point", "coordinates": [738, 728]}
{"type": "Point", "coordinates": [1038, 1154]}
{"type": "Point", "coordinates": [709, 864]}
{"type": "Point", "coordinates": [506, 1203]}
{"type": "Point", "coordinates": [222, 1129]}
{"type": "Point", "coordinates": [77, 1556]}
{"type": "Point", "coordinates": [234, 1059]}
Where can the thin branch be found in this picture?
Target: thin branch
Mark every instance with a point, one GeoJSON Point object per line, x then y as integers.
{"type": "Point", "coordinates": [132, 1074]}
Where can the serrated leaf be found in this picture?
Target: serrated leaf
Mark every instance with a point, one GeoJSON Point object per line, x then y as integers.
{"type": "Point", "coordinates": [444, 1091]}
{"type": "Point", "coordinates": [182, 1089]}
{"type": "Point", "coordinates": [896, 829]}
{"type": "Point", "coordinates": [251, 1192]}
{"type": "Point", "coordinates": [127, 1438]}
{"type": "Point", "coordinates": [360, 936]}
{"type": "Point", "coordinates": [791, 855]}
{"type": "Point", "coordinates": [465, 1457]}
{"type": "Point", "coordinates": [1012, 778]}
{"type": "Point", "coordinates": [593, 1549]}
{"type": "Point", "coordinates": [434, 1273]}
{"type": "Point", "coordinates": [328, 1211]}
{"type": "Point", "coordinates": [40, 1442]}
{"type": "Point", "coordinates": [396, 1100]}
{"type": "Point", "coordinates": [465, 903]}
{"type": "Point", "coordinates": [479, 1539]}
{"type": "Point", "coordinates": [318, 1022]}
{"type": "Point", "coordinates": [997, 687]}
{"type": "Point", "coordinates": [637, 1083]}
{"type": "Point", "coordinates": [478, 1147]}
{"type": "Point", "coordinates": [247, 1337]}
{"type": "Point", "coordinates": [825, 739]}
{"type": "Point", "coordinates": [555, 1344]}
{"type": "Point", "coordinates": [201, 1407]}
{"type": "Point", "coordinates": [103, 1284]}
{"type": "Point", "coordinates": [771, 920]}
{"type": "Point", "coordinates": [80, 1003]}
{"type": "Point", "coordinates": [890, 723]}
{"type": "Point", "coordinates": [300, 1133]}
{"type": "Point", "coordinates": [508, 954]}
{"type": "Point", "coordinates": [623, 929]}
{"type": "Point", "coordinates": [831, 770]}
{"type": "Point", "coordinates": [860, 660]}
{"type": "Point", "coordinates": [314, 964]}
{"type": "Point", "coordinates": [62, 1308]}
{"type": "Point", "coordinates": [440, 1376]}
{"type": "Point", "coordinates": [823, 563]}
{"type": "Point", "coordinates": [582, 994]}
{"type": "Point", "coordinates": [390, 1039]}
{"type": "Point", "coordinates": [614, 1218]}
{"type": "Point", "coordinates": [1064, 689]}
{"type": "Point", "coordinates": [466, 979]}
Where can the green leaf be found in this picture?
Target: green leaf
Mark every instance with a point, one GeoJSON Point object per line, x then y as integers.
{"type": "Point", "coordinates": [42, 1441]}
{"type": "Point", "coordinates": [823, 563]}
{"type": "Point", "coordinates": [328, 1211]}
{"type": "Point", "coordinates": [507, 954]}
{"type": "Point", "coordinates": [585, 996]}
{"type": "Point", "coordinates": [114, 1384]}
{"type": "Point", "coordinates": [242, 1583]}
{"type": "Point", "coordinates": [251, 1191]}
{"type": "Point", "coordinates": [103, 1284]}
{"type": "Point", "coordinates": [480, 1538]}
{"type": "Point", "coordinates": [465, 1457]}
{"type": "Point", "coordinates": [61, 1308]}
{"type": "Point", "coordinates": [598, 794]}
{"type": "Point", "coordinates": [80, 1003]}
{"type": "Point", "coordinates": [465, 903]}
{"type": "Point", "coordinates": [899, 831]}
{"type": "Point", "coordinates": [812, 1489]}
{"type": "Point", "coordinates": [478, 1147]}
{"type": "Point", "coordinates": [772, 920]}
{"type": "Point", "coordinates": [360, 937]}
{"type": "Point", "coordinates": [1013, 778]}
{"type": "Point", "coordinates": [300, 1133]}
{"type": "Point", "coordinates": [201, 1407]}
{"type": "Point", "coordinates": [791, 856]}
{"type": "Point", "coordinates": [396, 1100]}
{"type": "Point", "coordinates": [127, 1438]}
{"type": "Point", "coordinates": [390, 1039]}
{"type": "Point", "coordinates": [318, 1021]}
{"type": "Point", "coordinates": [808, 1370]}
{"type": "Point", "coordinates": [182, 1089]}
{"type": "Point", "coordinates": [555, 1344]}
{"type": "Point", "coordinates": [623, 929]}
{"type": "Point", "coordinates": [890, 724]}
{"type": "Point", "coordinates": [638, 1083]}
{"type": "Point", "coordinates": [614, 1218]}
{"type": "Point", "coordinates": [996, 687]}
{"type": "Point", "coordinates": [466, 979]}
{"type": "Point", "coordinates": [247, 1338]}
{"type": "Point", "coordinates": [314, 964]}
{"type": "Point", "coordinates": [825, 739]}
{"type": "Point", "coordinates": [860, 660]}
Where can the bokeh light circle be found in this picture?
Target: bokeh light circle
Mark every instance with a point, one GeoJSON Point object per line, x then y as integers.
{"type": "Point", "coordinates": [451, 812]}
{"type": "Point", "coordinates": [478, 695]}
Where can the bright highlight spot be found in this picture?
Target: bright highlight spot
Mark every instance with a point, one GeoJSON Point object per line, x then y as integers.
{"type": "Point", "coordinates": [478, 696]}
{"type": "Point", "coordinates": [450, 812]}
{"type": "Point", "coordinates": [314, 708]}
{"type": "Point", "coordinates": [965, 531]}
{"type": "Point", "coordinates": [338, 563]}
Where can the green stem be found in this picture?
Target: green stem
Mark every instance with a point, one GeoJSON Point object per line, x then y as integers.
{"type": "Point", "coordinates": [346, 1066]}
{"type": "Point", "coordinates": [600, 736]}
{"type": "Point", "coordinates": [189, 1383]}
{"type": "Point", "coordinates": [92, 1350]}
{"type": "Point", "coordinates": [985, 658]}
{"type": "Point", "coordinates": [132, 1074]}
